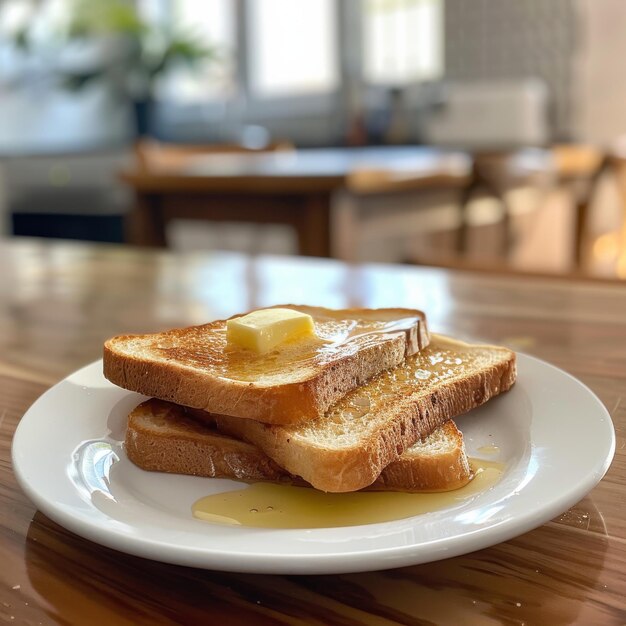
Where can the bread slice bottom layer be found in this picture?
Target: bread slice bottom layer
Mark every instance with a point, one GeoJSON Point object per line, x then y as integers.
{"type": "Point", "coordinates": [162, 437]}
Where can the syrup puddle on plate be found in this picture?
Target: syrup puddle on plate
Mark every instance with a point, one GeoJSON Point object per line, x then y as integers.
{"type": "Point", "coordinates": [490, 449]}
{"type": "Point", "coordinates": [270, 505]}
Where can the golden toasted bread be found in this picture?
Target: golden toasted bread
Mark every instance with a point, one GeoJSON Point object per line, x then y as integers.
{"type": "Point", "coordinates": [162, 437]}
{"type": "Point", "coordinates": [375, 424]}
{"type": "Point", "coordinates": [197, 367]}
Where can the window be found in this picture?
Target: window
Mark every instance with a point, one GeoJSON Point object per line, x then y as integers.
{"type": "Point", "coordinates": [402, 41]}
{"type": "Point", "coordinates": [292, 47]}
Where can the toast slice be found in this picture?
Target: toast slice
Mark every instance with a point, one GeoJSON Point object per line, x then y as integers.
{"type": "Point", "coordinates": [374, 425]}
{"type": "Point", "coordinates": [196, 367]}
{"type": "Point", "coordinates": [162, 437]}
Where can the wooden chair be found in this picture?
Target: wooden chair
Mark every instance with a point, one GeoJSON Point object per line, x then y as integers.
{"type": "Point", "coordinates": [386, 204]}
{"type": "Point", "coordinates": [572, 167]}
{"type": "Point", "coordinates": [612, 163]}
{"type": "Point", "coordinates": [495, 174]}
{"type": "Point", "coordinates": [578, 169]}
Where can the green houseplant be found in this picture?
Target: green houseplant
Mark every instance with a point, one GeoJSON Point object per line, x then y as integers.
{"type": "Point", "coordinates": [139, 52]}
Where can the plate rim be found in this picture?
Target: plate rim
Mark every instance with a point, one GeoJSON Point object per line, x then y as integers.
{"type": "Point", "coordinates": [339, 561]}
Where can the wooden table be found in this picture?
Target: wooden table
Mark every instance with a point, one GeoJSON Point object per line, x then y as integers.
{"type": "Point", "coordinates": [58, 302]}
{"type": "Point", "coordinates": [285, 187]}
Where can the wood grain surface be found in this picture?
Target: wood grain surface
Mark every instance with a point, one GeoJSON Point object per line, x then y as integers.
{"type": "Point", "coordinates": [58, 302]}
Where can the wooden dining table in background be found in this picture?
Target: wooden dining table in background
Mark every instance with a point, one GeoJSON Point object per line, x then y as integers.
{"type": "Point", "coordinates": [292, 187]}
{"type": "Point", "coordinates": [60, 301]}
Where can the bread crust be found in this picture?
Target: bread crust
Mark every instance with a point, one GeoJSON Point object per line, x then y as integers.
{"type": "Point", "coordinates": [288, 403]}
{"type": "Point", "coordinates": [161, 437]}
{"type": "Point", "coordinates": [444, 471]}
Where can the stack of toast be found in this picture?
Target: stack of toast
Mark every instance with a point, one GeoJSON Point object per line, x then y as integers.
{"type": "Point", "coordinates": [365, 401]}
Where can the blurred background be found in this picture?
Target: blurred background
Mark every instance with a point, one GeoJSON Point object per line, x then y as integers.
{"type": "Point", "coordinates": [483, 134]}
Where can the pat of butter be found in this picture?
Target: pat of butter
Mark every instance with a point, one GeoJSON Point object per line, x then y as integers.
{"type": "Point", "coordinates": [265, 329]}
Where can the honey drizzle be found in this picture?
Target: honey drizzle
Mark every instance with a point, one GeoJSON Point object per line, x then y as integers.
{"type": "Point", "coordinates": [270, 505]}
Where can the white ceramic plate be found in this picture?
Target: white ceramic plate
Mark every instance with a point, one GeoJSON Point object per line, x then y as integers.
{"type": "Point", "coordinates": [554, 435]}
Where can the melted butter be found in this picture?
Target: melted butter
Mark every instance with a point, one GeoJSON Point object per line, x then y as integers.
{"type": "Point", "coordinates": [270, 505]}
{"type": "Point", "coordinates": [357, 406]}
{"type": "Point", "coordinates": [335, 337]}
{"type": "Point", "coordinates": [443, 360]}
